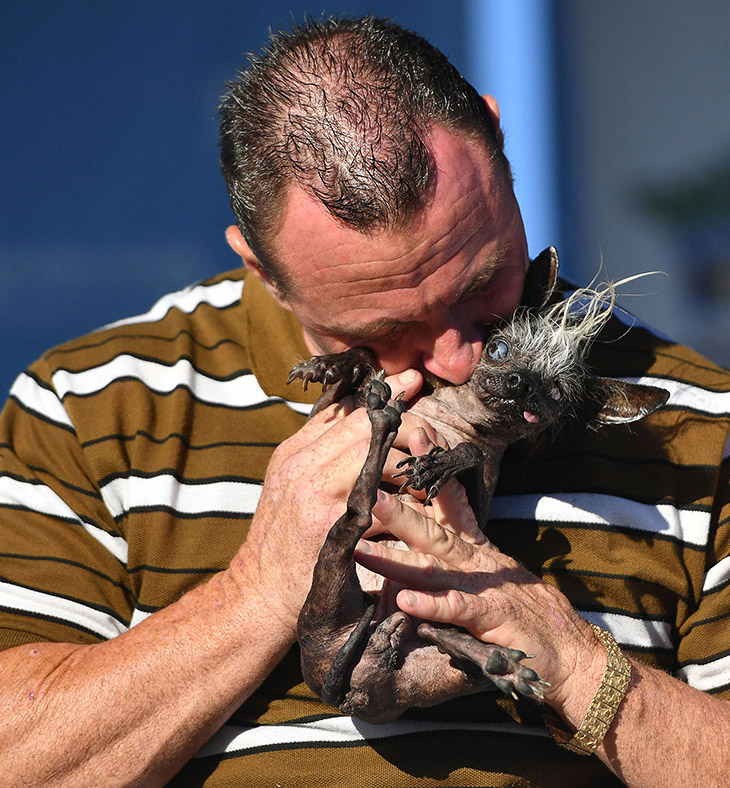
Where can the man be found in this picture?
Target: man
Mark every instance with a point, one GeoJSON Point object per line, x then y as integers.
{"type": "Point", "coordinates": [149, 615]}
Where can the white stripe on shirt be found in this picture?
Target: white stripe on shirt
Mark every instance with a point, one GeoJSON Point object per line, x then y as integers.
{"type": "Point", "coordinates": [339, 731]}
{"type": "Point", "coordinates": [717, 575]}
{"type": "Point", "coordinates": [712, 675]}
{"type": "Point", "coordinates": [685, 395]}
{"type": "Point", "coordinates": [42, 499]}
{"type": "Point", "coordinates": [242, 391]}
{"type": "Point", "coordinates": [39, 400]}
{"type": "Point", "coordinates": [220, 295]}
{"type": "Point", "coordinates": [15, 597]}
{"type": "Point", "coordinates": [686, 525]}
{"type": "Point", "coordinates": [632, 632]}
{"type": "Point", "coordinates": [165, 491]}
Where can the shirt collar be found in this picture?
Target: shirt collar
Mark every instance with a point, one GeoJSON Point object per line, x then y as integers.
{"type": "Point", "coordinates": [275, 343]}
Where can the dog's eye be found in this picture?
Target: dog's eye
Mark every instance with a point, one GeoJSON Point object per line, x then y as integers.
{"type": "Point", "coordinates": [498, 350]}
{"type": "Point", "coordinates": [556, 392]}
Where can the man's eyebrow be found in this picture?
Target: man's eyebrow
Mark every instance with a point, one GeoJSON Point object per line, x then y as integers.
{"type": "Point", "coordinates": [487, 271]}
{"type": "Point", "coordinates": [376, 329]}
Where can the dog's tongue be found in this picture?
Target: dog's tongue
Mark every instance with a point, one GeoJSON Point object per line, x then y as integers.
{"type": "Point", "coordinates": [532, 418]}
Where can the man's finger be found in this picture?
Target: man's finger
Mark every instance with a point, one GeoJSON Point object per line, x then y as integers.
{"type": "Point", "coordinates": [327, 439]}
{"type": "Point", "coordinates": [408, 383]}
{"type": "Point", "coordinates": [418, 531]}
{"type": "Point", "coordinates": [448, 606]}
{"type": "Point", "coordinates": [452, 510]}
{"type": "Point", "coordinates": [423, 439]}
{"type": "Point", "coordinates": [414, 426]}
{"type": "Point", "coordinates": [409, 568]}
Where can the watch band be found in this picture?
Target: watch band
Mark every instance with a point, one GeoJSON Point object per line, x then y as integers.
{"type": "Point", "coordinates": [605, 703]}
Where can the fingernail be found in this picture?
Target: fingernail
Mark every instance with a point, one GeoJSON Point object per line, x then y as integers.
{"type": "Point", "coordinates": [407, 376]}
{"type": "Point", "coordinates": [423, 435]}
{"type": "Point", "coordinates": [382, 496]}
{"type": "Point", "coordinates": [363, 546]}
{"type": "Point", "coordinates": [411, 598]}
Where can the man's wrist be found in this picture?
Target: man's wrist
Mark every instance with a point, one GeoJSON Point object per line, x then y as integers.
{"type": "Point", "coordinates": [257, 595]}
{"type": "Point", "coordinates": [602, 710]}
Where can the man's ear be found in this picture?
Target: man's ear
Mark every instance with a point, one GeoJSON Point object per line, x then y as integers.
{"type": "Point", "coordinates": [493, 108]}
{"type": "Point", "coordinates": [240, 246]}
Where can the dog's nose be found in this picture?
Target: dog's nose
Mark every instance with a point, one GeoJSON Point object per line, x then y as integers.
{"type": "Point", "coordinates": [519, 384]}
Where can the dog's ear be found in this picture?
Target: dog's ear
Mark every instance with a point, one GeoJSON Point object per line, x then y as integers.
{"type": "Point", "coordinates": [540, 279]}
{"type": "Point", "coordinates": [611, 401]}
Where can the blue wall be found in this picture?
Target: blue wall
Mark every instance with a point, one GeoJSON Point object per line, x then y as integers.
{"type": "Point", "coordinates": [111, 191]}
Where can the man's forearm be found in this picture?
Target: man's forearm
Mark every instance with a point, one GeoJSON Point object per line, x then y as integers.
{"type": "Point", "coordinates": [133, 710]}
{"type": "Point", "coordinates": [667, 733]}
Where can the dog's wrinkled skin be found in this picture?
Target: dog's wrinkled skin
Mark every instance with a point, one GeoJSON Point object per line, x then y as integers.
{"type": "Point", "coordinates": [359, 652]}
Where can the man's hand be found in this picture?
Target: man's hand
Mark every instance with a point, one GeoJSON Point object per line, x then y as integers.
{"type": "Point", "coordinates": [452, 577]}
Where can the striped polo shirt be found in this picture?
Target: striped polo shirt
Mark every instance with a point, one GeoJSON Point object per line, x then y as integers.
{"type": "Point", "coordinates": [132, 459]}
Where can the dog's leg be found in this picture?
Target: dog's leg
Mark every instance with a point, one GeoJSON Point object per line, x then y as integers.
{"type": "Point", "coordinates": [334, 624]}
{"type": "Point", "coordinates": [503, 666]}
{"type": "Point", "coordinates": [431, 471]}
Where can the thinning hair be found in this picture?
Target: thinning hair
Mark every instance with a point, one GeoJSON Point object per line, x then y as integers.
{"type": "Point", "coordinates": [343, 108]}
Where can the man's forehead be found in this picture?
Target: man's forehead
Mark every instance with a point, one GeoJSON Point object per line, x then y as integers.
{"type": "Point", "coordinates": [437, 262]}
{"type": "Point", "coordinates": [406, 313]}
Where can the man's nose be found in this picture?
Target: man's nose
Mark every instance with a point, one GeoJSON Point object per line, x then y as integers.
{"type": "Point", "coordinates": [453, 354]}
